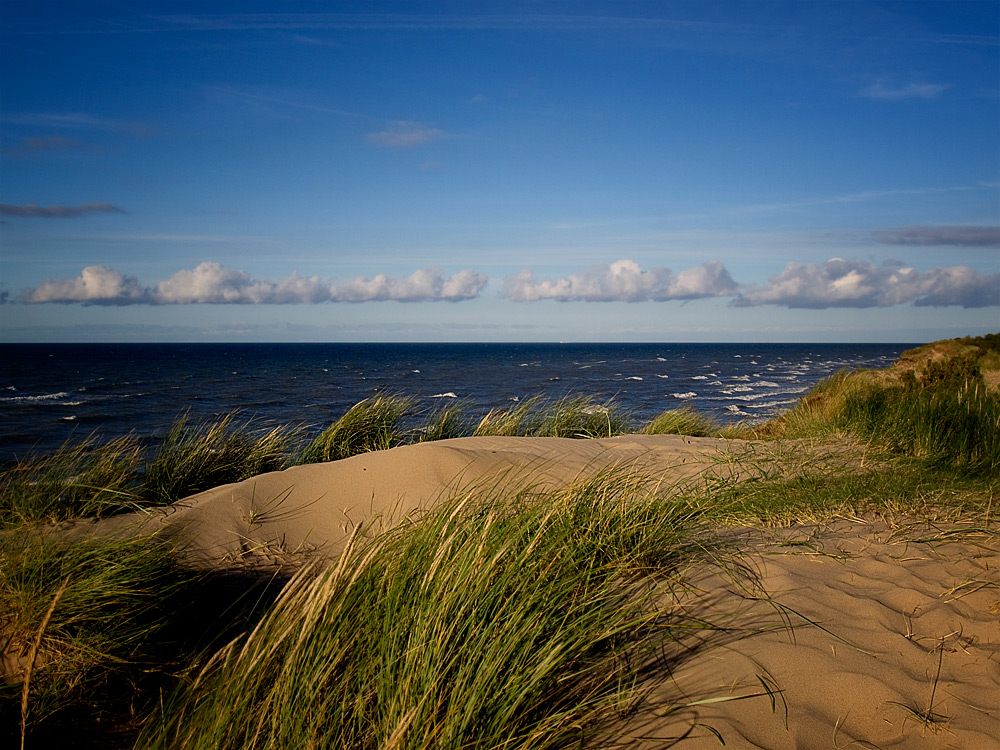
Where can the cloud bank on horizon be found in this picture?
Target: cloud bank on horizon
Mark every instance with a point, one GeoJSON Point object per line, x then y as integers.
{"type": "Point", "coordinates": [835, 283]}
{"type": "Point", "coordinates": [215, 284]}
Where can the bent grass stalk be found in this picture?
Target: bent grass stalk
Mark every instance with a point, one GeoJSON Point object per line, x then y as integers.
{"type": "Point", "coordinates": [33, 655]}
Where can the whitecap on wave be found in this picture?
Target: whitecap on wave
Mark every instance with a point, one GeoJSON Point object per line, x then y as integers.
{"type": "Point", "coordinates": [772, 404]}
{"type": "Point", "coordinates": [449, 394]}
{"type": "Point", "coordinates": [689, 394]}
{"type": "Point", "coordinates": [34, 399]}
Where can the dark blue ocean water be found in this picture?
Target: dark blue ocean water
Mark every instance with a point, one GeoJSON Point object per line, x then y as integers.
{"type": "Point", "coordinates": [53, 392]}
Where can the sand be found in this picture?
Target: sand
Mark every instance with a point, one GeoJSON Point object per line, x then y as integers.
{"type": "Point", "coordinates": [871, 638]}
{"type": "Point", "coordinates": [277, 518]}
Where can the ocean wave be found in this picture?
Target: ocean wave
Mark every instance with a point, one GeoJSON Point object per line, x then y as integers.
{"type": "Point", "coordinates": [766, 384]}
{"type": "Point", "coordinates": [689, 394]}
{"type": "Point", "coordinates": [633, 377]}
{"type": "Point", "coordinates": [34, 399]}
{"type": "Point", "coordinates": [699, 377]}
{"type": "Point", "coordinates": [772, 404]}
{"type": "Point", "coordinates": [736, 410]}
{"type": "Point", "coordinates": [751, 397]}
{"type": "Point", "coordinates": [737, 389]}
{"type": "Point", "coordinates": [449, 394]}
{"type": "Point", "coordinates": [743, 378]}
{"type": "Point", "coordinates": [663, 376]}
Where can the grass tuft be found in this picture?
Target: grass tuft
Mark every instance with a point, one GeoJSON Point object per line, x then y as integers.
{"type": "Point", "coordinates": [505, 618]}
{"type": "Point", "coordinates": [448, 421]}
{"type": "Point", "coordinates": [370, 425]}
{"type": "Point", "coordinates": [571, 416]}
{"type": "Point", "coordinates": [193, 457]}
{"type": "Point", "coordinates": [78, 619]}
{"type": "Point", "coordinates": [81, 479]}
{"type": "Point", "coordinates": [683, 421]}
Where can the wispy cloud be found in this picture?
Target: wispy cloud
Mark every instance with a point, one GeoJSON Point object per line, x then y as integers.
{"type": "Point", "coordinates": [956, 236]}
{"type": "Point", "coordinates": [859, 284]}
{"type": "Point", "coordinates": [38, 145]}
{"type": "Point", "coordinates": [214, 283]}
{"type": "Point", "coordinates": [425, 21]}
{"type": "Point", "coordinates": [76, 121]}
{"type": "Point", "coordinates": [880, 90]}
{"type": "Point", "coordinates": [623, 281]}
{"type": "Point", "coordinates": [405, 134]}
{"type": "Point", "coordinates": [30, 210]}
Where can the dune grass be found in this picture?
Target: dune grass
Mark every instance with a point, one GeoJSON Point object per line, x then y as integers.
{"type": "Point", "coordinates": [570, 416]}
{"type": "Point", "coordinates": [81, 479]}
{"type": "Point", "coordinates": [79, 621]}
{"type": "Point", "coordinates": [198, 456]}
{"type": "Point", "coordinates": [450, 420]}
{"type": "Point", "coordinates": [370, 425]}
{"type": "Point", "coordinates": [941, 414]}
{"type": "Point", "coordinates": [90, 478]}
{"type": "Point", "coordinates": [504, 618]}
{"type": "Point", "coordinates": [683, 421]}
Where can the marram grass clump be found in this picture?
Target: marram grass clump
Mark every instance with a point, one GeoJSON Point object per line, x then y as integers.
{"type": "Point", "coordinates": [80, 621]}
{"type": "Point", "coordinates": [571, 416]}
{"type": "Point", "coordinates": [683, 421]}
{"type": "Point", "coordinates": [90, 478]}
{"type": "Point", "coordinates": [370, 425]}
{"type": "Point", "coordinates": [943, 413]}
{"type": "Point", "coordinates": [199, 456]}
{"type": "Point", "coordinates": [505, 618]}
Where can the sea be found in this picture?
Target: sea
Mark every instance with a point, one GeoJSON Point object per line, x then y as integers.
{"type": "Point", "coordinates": [54, 393]}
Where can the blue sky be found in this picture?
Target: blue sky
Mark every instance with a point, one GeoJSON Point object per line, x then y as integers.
{"type": "Point", "coordinates": [515, 171]}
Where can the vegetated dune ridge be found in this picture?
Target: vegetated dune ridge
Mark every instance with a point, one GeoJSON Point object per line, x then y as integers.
{"type": "Point", "coordinates": [872, 639]}
{"type": "Point", "coordinates": [285, 516]}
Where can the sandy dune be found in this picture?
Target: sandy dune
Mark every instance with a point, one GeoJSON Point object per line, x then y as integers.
{"type": "Point", "coordinates": [870, 641]}
{"type": "Point", "coordinates": [313, 509]}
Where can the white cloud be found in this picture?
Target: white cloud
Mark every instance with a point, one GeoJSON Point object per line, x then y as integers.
{"type": "Point", "coordinates": [405, 134]}
{"type": "Point", "coordinates": [879, 90]}
{"type": "Point", "coordinates": [859, 284]}
{"type": "Point", "coordinates": [623, 281]}
{"type": "Point", "coordinates": [210, 283]}
{"type": "Point", "coordinates": [425, 284]}
{"type": "Point", "coordinates": [96, 285]}
{"type": "Point", "coordinates": [213, 283]}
